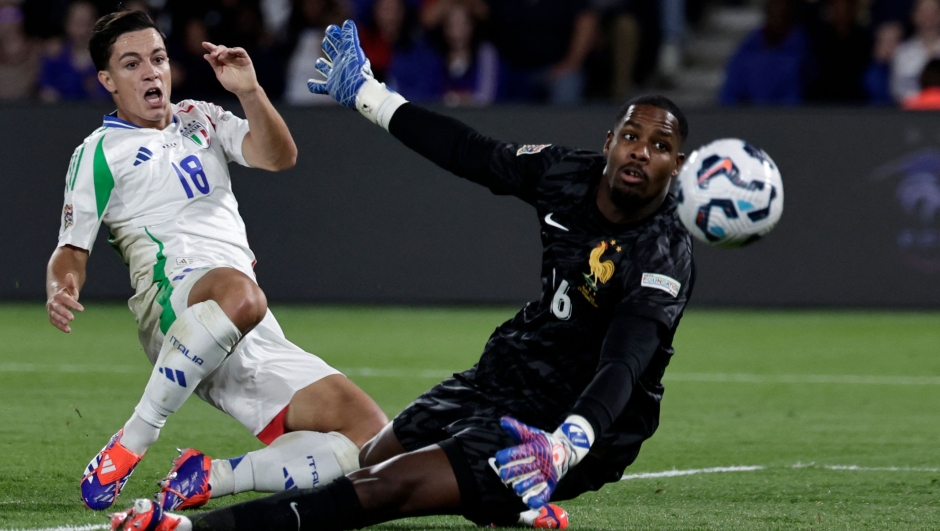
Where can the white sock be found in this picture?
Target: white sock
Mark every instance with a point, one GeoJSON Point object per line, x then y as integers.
{"type": "Point", "coordinates": [222, 477]}
{"type": "Point", "coordinates": [139, 434]}
{"type": "Point", "coordinates": [195, 345]}
{"type": "Point", "coordinates": [296, 460]}
{"type": "Point", "coordinates": [527, 518]}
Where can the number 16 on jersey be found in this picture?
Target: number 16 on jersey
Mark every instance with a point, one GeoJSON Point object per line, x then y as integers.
{"type": "Point", "coordinates": [192, 167]}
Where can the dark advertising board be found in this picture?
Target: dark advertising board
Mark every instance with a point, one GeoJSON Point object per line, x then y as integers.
{"type": "Point", "coordinates": [363, 220]}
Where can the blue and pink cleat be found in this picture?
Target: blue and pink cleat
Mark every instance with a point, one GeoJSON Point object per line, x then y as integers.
{"type": "Point", "coordinates": [144, 515]}
{"type": "Point", "coordinates": [549, 516]}
{"type": "Point", "coordinates": [187, 484]}
{"type": "Point", "coordinates": [107, 474]}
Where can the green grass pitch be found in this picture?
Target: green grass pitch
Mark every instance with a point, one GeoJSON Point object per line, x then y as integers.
{"type": "Point", "coordinates": [801, 396]}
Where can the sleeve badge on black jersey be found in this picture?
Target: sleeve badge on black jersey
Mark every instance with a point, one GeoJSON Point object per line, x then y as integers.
{"type": "Point", "coordinates": [661, 282]}
{"type": "Point", "coordinates": [531, 149]}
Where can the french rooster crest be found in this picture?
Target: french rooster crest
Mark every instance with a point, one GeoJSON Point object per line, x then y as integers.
{"type": "Point", "coordinates": [600, 271]}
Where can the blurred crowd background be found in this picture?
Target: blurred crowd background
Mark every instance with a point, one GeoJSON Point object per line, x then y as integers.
{"type": "Point", "coordinates": [482, 52]}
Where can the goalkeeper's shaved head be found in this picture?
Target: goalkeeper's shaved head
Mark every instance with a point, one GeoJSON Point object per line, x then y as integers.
{"type": "Point", "coordinates": [660, 102]}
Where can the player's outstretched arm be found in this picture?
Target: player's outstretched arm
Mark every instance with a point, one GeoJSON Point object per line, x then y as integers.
{"type": "Point", "coordinates": [444, 141]}
{"type": "Point", "coordinates": [268, 145]}
{"type": "Point", "coordinates": [534, 467]}
{"type": "Point", "coordinates": [65, 276]}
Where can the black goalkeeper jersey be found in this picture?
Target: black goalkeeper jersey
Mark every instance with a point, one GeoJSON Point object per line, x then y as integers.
{"type": "Point", "coordinates": [592, 270]}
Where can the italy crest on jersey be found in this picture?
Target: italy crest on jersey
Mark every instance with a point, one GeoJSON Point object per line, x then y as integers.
{"type": "Point", "coordinates": [198, 133]}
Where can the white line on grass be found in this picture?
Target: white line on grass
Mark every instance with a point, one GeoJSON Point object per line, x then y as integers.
{"type": "Point", "coordinates": [395, 373]}
{"type": "Point", "coordinates": [372, 372]}
{"type": "Point", "coordinates": [89, 527]}
{"type": "Point", "coordinates": [752, 468]}
{"type": "Point", "coordinates": [32, 367]}
{"type": "Point", "coordinates": [690, 472]}
{"type": "Point", "coordinates": [856, 468]}
{"type": "Point", "coordinates": [849, 379]}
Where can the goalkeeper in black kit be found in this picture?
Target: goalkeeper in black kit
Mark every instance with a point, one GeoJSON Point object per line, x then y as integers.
{"type": "Point", "coordinates": [565, 392]}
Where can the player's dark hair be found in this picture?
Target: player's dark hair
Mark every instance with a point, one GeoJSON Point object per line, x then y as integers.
{"type": "Point", "coordinates": [110, 27]}
{"type": "Point", "coordinates": [661, 102]}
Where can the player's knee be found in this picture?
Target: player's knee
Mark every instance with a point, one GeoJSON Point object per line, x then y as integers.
{"type": "Point", "coordinates": [372, 453]}
{"type": "Point", "coordinates": [374, 419]}
{"type": "Point", "coordinates": [382, 447]}
{"type": "Point", "coordinates": [245, 304]}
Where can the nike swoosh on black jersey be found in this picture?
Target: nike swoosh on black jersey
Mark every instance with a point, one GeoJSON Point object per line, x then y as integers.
{"type": "Point", "coordinates": [553, 223]}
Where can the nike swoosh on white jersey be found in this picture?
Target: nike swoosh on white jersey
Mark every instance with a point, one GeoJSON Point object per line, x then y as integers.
{"type": "Point", "coordinates": [553, 223]}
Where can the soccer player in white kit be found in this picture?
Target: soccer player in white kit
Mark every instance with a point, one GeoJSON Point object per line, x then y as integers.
{"type": "Point", "coordinates": [156, 174]}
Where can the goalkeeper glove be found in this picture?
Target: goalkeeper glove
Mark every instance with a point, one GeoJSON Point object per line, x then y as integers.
{"type": "Point", "coordinates": [349, 78]}
{"type": "Point", "coordinates": [535, 467]}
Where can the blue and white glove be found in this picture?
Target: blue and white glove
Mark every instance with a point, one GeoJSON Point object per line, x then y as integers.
{"type": "Point", "coordinates": [349, 78]}
{"type": "Point", "coordinates": [534, 468]}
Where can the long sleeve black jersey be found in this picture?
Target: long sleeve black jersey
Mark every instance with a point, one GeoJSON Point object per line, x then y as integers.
{"type": "Point", "coordinates": [601, 282]}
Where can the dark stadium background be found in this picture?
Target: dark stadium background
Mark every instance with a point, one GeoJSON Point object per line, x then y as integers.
{"type": "Point", "coordinates": [362, 219]}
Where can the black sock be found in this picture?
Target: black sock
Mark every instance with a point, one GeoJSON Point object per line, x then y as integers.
{"type": "Point", "coordinates": [333, 507]}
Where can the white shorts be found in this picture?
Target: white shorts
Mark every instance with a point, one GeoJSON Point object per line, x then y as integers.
{"type": "Point", "coordinates": [256, 382]}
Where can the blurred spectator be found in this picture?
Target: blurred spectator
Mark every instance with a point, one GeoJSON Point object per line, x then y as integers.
{"type": "Point", "coordinates": [928, 99]}
{"type": "Point", "coordinates": [67, 70]}
{"type": "Point", "coordinates": [308, 22]}
{"type": "Point", "coordinates": [235, 23]}
{"type": "Point", "coordinates": [913, 54]}
{"type": "Point", "coordinates": [193, 78]}
{"type": "Point", "coordinates": [635, 30]}
{"type": "Point", "coordinates": [361, 10]}
{"type": "Point", "coordinates": [138, 5]}
{"type": "Point", "coordinates": [842, 50]}
{"type": "Point", "coordinates": [399, 53]}
{"type": "Point", "coordinates": [433, 12]}
{"type": "Point", "coordinates": [379, 33]}
{"type": "Point", "coordinates": [673, 27]}
{"type": "Point", "coordinates": [276, 15]}
{"type": "Point", "coordinates": [770, 65]}
{"type": "Point", "coordinates": [471, 65]}
{"type": "Point", "coordinates": [888, 37]}
{"type": "Point", "coordinates": [891, 11]}
{"type": "Point", "coordinates": [543, 45]}
{"type": "Point", "coordinates": [19, 56]}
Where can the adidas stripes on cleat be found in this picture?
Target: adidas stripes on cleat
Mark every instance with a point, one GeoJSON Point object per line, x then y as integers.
{"type": "Point", "coordinates": [549, 516]}
{"type": "Point", "coordinates": [187, 484]}
{"type": "Point", "coordinates": [107, 473]}
{"type": "Point", "coordinates": [144, 515]}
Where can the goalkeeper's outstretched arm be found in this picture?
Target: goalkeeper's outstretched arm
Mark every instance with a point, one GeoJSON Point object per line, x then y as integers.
{"type": "Point", "coordinates": [447, 142]}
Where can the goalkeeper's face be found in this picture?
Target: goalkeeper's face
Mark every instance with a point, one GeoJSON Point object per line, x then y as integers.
{"type": "Point", "coordinates": [138, 77]}
{"type": "Point", "coordinates": [643, 155]}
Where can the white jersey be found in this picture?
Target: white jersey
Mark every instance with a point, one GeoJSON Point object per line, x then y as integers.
{"type": "Point", "coordinates": [166, 195]}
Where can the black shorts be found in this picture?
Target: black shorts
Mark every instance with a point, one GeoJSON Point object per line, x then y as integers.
{"type": "Point", "coordinates": [464, 422]}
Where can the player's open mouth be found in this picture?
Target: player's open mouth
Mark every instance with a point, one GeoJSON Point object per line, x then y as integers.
{"type": "Point", "coordinates": [632, 175]}
{"type": "Point", "coordinates": [154, 97]}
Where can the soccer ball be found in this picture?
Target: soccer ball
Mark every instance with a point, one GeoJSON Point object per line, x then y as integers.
{"type": "Point", "coordinates": [730, 193]}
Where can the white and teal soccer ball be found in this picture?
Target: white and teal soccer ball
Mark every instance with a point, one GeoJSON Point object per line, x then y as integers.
{"type": "Point", "coordinates": [730, 193]}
